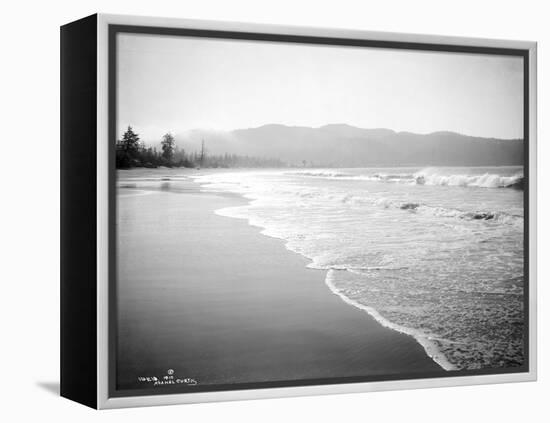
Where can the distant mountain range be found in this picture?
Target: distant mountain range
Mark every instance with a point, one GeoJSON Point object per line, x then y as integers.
{"type": "Point", "coordinates": [341, 145]}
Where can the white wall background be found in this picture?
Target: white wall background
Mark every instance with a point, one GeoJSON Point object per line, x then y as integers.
{"type": "Point", "coordinates": [29, 231]}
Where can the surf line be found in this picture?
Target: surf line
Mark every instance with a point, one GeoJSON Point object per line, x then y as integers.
{"type": "Point", "coordinates": [429, 346]}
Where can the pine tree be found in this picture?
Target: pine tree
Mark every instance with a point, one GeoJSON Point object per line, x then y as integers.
{"type": "Point", "coordinates": [128, 147]}
{"type": "Point", "coordinates": [130, 142]}
{"type": "Point", "coordinates": [168, 145]}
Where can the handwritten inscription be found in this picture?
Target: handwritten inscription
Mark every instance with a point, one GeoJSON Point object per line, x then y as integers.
{"type": "Point", "coordinates": [168, 379]}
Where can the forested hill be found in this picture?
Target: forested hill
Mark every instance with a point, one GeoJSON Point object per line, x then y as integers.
{"type": "Point", "coordinates": [347, 146]}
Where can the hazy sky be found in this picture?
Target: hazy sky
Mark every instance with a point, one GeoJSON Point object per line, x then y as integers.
{"type": "Point", "coordinates": [180, 83]}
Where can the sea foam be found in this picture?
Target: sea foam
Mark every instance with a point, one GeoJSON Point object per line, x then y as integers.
{"type": "Point", "coordinates": [439, 264]}
{"type": "Point", "coordinates": [426, 341]}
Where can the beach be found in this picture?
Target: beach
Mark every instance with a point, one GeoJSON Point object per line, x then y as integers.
{"type": "Point", "coordinates": [435, 253]}
{"type": "Point", "coordinates": [213, 300]}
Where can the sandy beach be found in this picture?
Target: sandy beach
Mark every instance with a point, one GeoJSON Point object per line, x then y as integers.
{"type": "Point", "coordinates": [216, 301]}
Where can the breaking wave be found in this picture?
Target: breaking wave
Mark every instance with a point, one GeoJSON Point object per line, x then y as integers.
{"type": "Point", "coordinates": [432, 176]}
{"type": "Point", "coordinates": [427, 176]}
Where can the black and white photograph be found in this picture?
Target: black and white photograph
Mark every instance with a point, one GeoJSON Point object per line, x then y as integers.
{"type": "Point", "coordinates": [276, 211]}
{"type": "Point", "coordinates": [299, 212]}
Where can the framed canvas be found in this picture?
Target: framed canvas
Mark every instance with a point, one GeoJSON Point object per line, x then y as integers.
{"type": "Point", "coordinates": [253, 211]}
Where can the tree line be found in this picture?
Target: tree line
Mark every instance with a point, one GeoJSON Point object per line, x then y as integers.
{"type": "Point", "coordinates": [131, 152]}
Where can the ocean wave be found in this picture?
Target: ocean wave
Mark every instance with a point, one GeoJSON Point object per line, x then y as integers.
{"type": "Point", "coordinates": [321, 174]}
{"type": "Point", "coordinates": [329, 174]}
{"type": "Point", "coordinates": [498, 217]}
{"type": "Point", "coordinates": [436, 211]}
{"type": "Point", "coordinates": [427, 176]}
{"type": "Point", "coordinates": [433, 176]}
{"type": "Point", "coordinates": [422, 289]}
{"type": "Point", "coordinates": [290, 195]}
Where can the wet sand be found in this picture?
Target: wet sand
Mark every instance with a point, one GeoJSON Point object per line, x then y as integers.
{"type": "Point", "coordinates": [216, 301]}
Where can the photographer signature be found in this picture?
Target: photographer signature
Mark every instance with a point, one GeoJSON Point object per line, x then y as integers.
{"type": "Point", "coordinates": [168, 379]}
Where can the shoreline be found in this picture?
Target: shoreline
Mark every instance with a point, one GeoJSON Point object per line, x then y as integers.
{"type": "Point", "coordinates": [270, 318]}
{"type": "Point", "coordinates": [430, 347]}
{"type": "Point", "coordinates": [440, 325]}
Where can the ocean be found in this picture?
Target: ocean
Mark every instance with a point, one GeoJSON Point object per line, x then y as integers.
{"type": "Point", "coordinates": [436, 253]}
